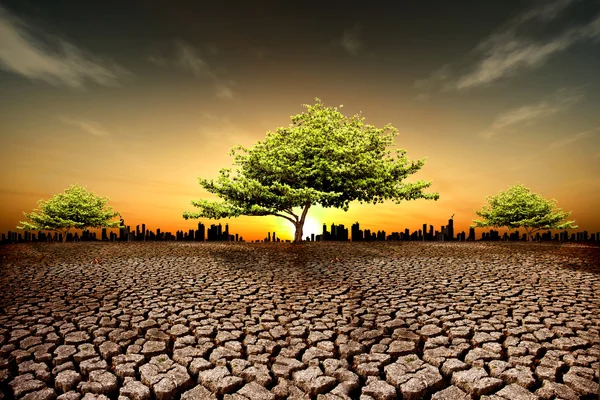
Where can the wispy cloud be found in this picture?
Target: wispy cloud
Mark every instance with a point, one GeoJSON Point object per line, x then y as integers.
{"type": "Point", "coordinates": [546, 13]}
{"type": "Point", "coordinates": [511, 49]}
{"type": "Point", "coordinates": [157, 60]}
{"type": "Point", "coordinates": [91, 127]}
{"type": "Point", "coordinates": [350, 40]}
{"type": "Point", "coordinates": [223, 129]}
{"type": "Point", "coordinates": [188, 58]}
{"type": "Point", "coordinates": [212, 48]}
{"type": "Point", "coordinates": [259, 51]}
{"type": "Point", "coordinates": [426, 86]}
{"type": "Point", "coordinates": [527, 114]}
{"type": "Point", "coordinates": [42, 56]}
{"type": "Point", "coordinates": [506, 58]}
{"type": "Point", "coordinates": [212, 121]}
{"type": "Point", "coordinates": [572, 139]}
{"type": "Point", "coordinates": [224, 91]}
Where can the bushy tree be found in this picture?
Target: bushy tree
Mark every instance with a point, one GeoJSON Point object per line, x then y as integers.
{"type": "Point", "coordinates": [518, 207]}
{"type": "Point", "coordinates": [75, 208]}
{"type": "Point", "coordinates": [324, 158]}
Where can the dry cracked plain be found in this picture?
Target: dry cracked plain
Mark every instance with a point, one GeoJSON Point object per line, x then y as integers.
{"type": "Point", "coordinates": [326, 321]}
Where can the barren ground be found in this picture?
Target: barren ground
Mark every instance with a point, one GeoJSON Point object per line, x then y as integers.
{"type": "Point", "coordinates": [245, 321]}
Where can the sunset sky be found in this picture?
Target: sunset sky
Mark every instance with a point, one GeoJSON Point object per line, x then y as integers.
{"type": "Point", "coordinates": [136, 100]}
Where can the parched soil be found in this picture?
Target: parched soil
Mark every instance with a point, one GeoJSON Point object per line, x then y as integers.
{"type": "Point", "coordinates": [238, 321]}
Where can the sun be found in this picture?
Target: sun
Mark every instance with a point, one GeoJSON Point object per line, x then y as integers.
{"type": "Point", "coordinates": [311, 225]}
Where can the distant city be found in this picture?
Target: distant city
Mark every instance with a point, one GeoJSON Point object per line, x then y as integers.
{"type": "Point", "coordinates": [337, 233]}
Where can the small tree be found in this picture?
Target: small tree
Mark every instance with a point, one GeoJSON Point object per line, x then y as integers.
{"type": "Point", "coordinates": [322, 158]}
{"type": "Point", "coordinates": [75, 208]}
{"type": "Point", "coordinates": [518, 207]}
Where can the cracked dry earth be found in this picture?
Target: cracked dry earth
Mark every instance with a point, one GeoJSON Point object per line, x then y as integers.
{"type": "Point", "coordinates": [237, 321]}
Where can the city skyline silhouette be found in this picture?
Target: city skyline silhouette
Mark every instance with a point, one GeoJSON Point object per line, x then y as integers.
{"type": "Point", "coordinates": [337, 233]}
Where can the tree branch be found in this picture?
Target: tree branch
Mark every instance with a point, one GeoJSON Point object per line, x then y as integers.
{"type": "Point", "coordinates": [289, 210]}
{"type": "Point", "coordinates": [286, 217]}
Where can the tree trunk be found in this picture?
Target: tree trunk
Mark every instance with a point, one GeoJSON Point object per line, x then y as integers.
{"type": "Point", "coordinates": [64, 236]}
{"type": "Point", "coordinates": [300, 224]}
{"type": "Point", "coordinates": [298, 233]}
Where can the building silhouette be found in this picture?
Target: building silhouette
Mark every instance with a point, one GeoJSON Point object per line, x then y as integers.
{"type": "Point", "coordinates": [472, 234]}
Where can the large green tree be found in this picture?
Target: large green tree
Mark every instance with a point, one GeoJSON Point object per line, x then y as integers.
{"type": "Point", "coordinates": [518, 207]}
{"type": "Point", "coordinates": [322, 157]}
{"type": "Point", "coordinates": [75, 208]}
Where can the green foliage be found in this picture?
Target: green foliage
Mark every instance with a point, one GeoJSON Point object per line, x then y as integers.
{"type": "Point", "coordinates": [75, 208]}
{"type": "Point", "coordinates": [321, 158]}
{"type": "Point", "coordinates": [519, 207]}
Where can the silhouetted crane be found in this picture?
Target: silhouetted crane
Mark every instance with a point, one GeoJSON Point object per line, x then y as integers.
{"type": "Point", "coordinates": [452, 216]}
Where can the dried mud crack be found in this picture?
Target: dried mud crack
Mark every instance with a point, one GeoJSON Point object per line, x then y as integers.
{"type": "Point", "coordinates": [328, 321]}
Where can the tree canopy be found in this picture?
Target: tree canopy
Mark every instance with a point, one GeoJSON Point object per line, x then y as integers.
{"type": "Point", "coordinates": [322, 157]}
{"type": "Point", "coordinates": [519, 207]}
{"type": "Point", "coordinates": [75, 208]}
